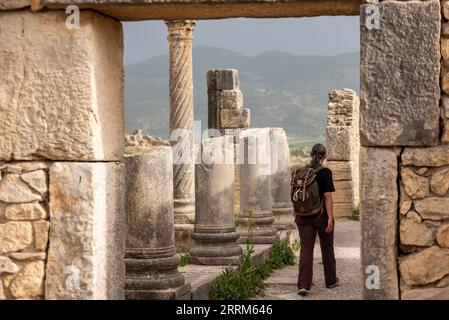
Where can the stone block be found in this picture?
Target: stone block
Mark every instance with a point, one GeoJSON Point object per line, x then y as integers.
{"type": "Point", "coordinates": [414, 232]}
{"type": "Point", "coordinates": [29, 282]}
{"type": "Point", "coordinates": [234, 118]}
{"type": "Point", "coordinates": [228, 79]}
{"type": "Point", "coordinates": [426, 294]}
{"type": "Point", "coordinates": [212, 80]}
{"type": "Point", "coordinates": [15, 236]}
{"type": "Point", "coordinates": [443, 236]}
{"type": "Point", "coordinates": [25, 211]}
{"type": "Point", "coordinates": [385, 259]}
{"type": "Point", "coordinates": [426, 157]}
{"type": "Point", "coordinates": [341, 170]}
{"type": "Point", "coordinates": [379, 197]}
{"type": "Point", "coordinates": [338, 143]}
{"type": "Point", "coordinates": [440, 181]}
{"type": "Point", "coordinates": [87, 236]}
{"type": "Point", "coordinates": [229, 99]}
{"type": "Point", "coordinates": [426, 266]}
{"type": "Point", "coordinates": [397, 111]}
{"type": "Point", "coordinates": [343, 209]}
{"type": "Point", "coordinates": [433, 208]}
{"type": "Point", "coordinates": [14, 4]}
{"type": "Point", "coordinates": [416, 186]}
{"type": "Point", "coordinates": [69, 104]}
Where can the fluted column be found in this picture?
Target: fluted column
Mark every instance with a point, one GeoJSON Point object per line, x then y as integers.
{"type": "Point", "coordinates": [181, 116]}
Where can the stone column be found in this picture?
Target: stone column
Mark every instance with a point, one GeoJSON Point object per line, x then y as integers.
{"type": "Point", "coordinates": [280, 180]}
{"type": "Point", "coordinates": [215, 232]}
{"type": "Point", "coordinates": [255, 187]}
{"type": "Point", "coordinates": [343, 149]}
{"type": "Point", "coordinates": [151, 263]}
{"type": "Point", "coordinates": [181, 116]}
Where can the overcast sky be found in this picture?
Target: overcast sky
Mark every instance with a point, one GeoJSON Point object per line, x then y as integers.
{"type": "Point", "coordinates": [320, 35]}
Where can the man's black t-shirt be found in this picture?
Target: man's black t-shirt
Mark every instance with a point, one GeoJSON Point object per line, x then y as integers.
{"type": "Point", "coordinates": [325, 184]}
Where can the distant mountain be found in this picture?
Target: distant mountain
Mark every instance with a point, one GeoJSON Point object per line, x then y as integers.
{"type": "Point", "coordinates": [281, 89]}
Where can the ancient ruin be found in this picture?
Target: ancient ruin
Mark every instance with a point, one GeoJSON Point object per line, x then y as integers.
{"type": "Point", "coordinates": [215, 233]}
{"type": "Point", "coordinates": [151, 263]}
{"type": "Point", "coordinates": [343, 149]}
{"type": "Point", "coordinates": [62, 187]}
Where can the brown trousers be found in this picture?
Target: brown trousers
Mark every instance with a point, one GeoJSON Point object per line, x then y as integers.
{"type": "Point", "coordinates": [308, 229]}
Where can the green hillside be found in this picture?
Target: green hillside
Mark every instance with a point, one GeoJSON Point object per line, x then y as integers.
{"type": "Point", "coordinates": [281, 89]}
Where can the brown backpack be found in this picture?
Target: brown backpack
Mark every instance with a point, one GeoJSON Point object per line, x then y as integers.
{"type": "Point", "coordinates": [304, 191]}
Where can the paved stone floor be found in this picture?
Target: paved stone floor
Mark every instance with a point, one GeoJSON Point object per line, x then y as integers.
{"type": "Point", "coordinates": [281, 285]}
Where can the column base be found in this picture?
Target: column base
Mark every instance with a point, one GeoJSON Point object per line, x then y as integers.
{"type": "Point", "coordinates": [216, 249]}
{"type": "Point", "coordinates": [179, 293]}
{"type": "Point", "coordinates": [262, 231]}
{"type": "Point", "coordinates": [155, 278]}
{"type": "Point", "coordinates": [283, 216]}
{"type": "Point", "coordinates": [184, 211]}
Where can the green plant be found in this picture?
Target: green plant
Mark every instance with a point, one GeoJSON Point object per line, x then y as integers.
{"type": "Point", "coordinates": [184, 260]}
{"type": "Point", "coordinates": [247, 281]}
{"type": "Point", "coordinates": [355, 213]}
{"type": "Point", "coordinates": [191, 221]}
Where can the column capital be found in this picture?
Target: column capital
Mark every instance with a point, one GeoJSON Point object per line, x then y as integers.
{"type": "Point", "coordinates": [180, 28]}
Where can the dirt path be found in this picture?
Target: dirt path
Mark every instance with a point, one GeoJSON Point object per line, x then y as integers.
{"type": "Point", "coordinates": [281, 285]}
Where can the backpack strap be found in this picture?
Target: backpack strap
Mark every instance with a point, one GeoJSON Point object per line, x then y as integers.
{"type": "Point", "coordinates": [318, 168]}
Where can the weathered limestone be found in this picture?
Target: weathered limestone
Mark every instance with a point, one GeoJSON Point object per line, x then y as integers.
{"type": "Point", "coordinates": [426, 266]}
{"type": "Point", "coordinates": [443, 236]}
{"type": "Point", "coordinates": [23, 229]}
{"type": "Point", "coordinates": [181, 117]}
{"type": "Point", "coordinates": [379, 203]}
{"type": "Point", "coordinates": [69, 104]}
{"type": "Point", "coordinates": [29, 282]}
{"type": "Point", "coordinates": [426, 157]}
{"type": "Point", "coordinates": [225, 101]}
{"type": "Point", "coordinates": [211, 9]}
{"type": "Point", "coordinates": [256, 216]}
{"type": "Point", "coordinates": [15, 236]}
{"type": "Point", "coordinates": [151, 264]}
{"type": "Point", "coordinates": [280, 180]}
{"type": "Point", "coordinates": [215, 232]}
{"type": "Point", "coordinates": [85, 256]}
{"type": "Point", "coordinates": [396, 111]}
{"type": "Point", "coordinates": [343, 149]}
{"type": "Point", "coordinates": [415, 233]}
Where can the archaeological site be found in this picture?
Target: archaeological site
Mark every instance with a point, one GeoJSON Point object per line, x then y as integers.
{"type": "Point", "coordinates": [88, 212]}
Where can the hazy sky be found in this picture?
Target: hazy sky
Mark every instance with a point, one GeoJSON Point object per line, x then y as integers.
{"type": "Point", "coordinates": [320, 35]}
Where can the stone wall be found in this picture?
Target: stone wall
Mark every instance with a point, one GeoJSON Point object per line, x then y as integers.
{"type": "Point", "coordinates": [343, 148]}
{"type": "Point", "coordinates": [61, 147]}
{"type": "Point", "coordinates": [404, 156]}
{"type": "Point", "coordinates": [24, 226]}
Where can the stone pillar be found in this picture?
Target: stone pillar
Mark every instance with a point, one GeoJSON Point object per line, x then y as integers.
{"type": "Point", "coordinates": [280, 180]}
{"type": "Point", "coordinates": [181, 117]}
{"type": "Point", "coordinates": [85, 256]}
{"type": "Point", "coordinates": [225, 101]}
{"type": "Point", "coordinates": [343, 149]}
{"type": "Point", "coordinates": [215, 232]}
{"type": "Point", "coordinates": [255, 187]}
{"type": "Point", "coordinates": [151, 263]}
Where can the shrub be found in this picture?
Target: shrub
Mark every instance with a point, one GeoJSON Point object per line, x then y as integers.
{"type": "Point", "coordinates": [247, 281]}
{"type": "Point", "coordinates": [184, 260]}
{"type": "Point", "coordinates": [355, 213]}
